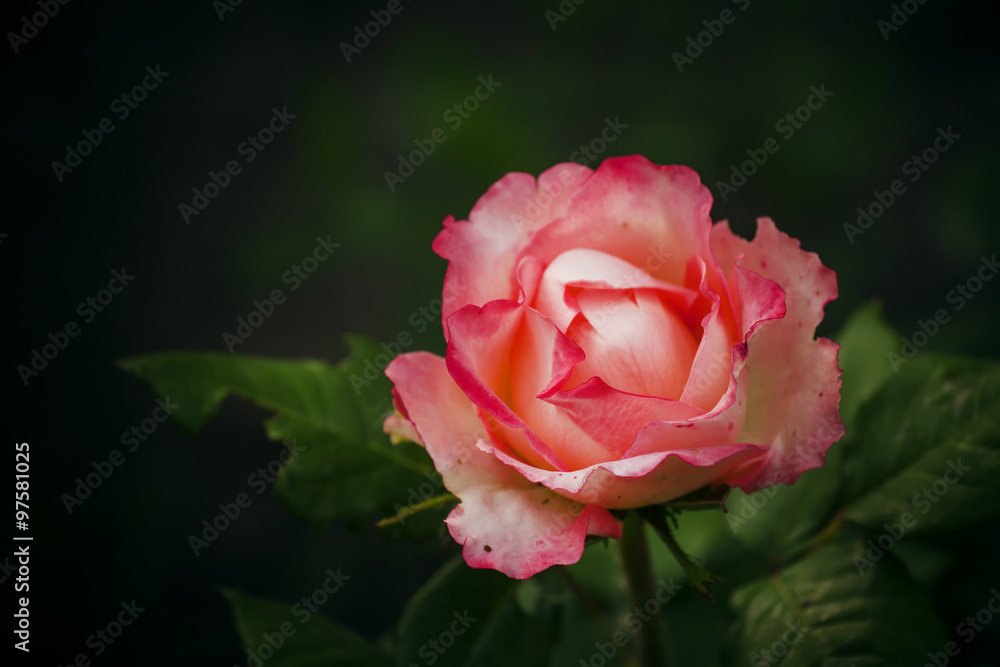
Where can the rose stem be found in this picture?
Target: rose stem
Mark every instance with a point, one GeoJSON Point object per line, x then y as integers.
{"type": "Point", "coordinates": [587, 602]}
{"type": "Point", "coordinates": [639, 575]}
{"type": "Point", "coordinates": [591, 606]}
{"type": "Point", "coordinates": [696, 574]}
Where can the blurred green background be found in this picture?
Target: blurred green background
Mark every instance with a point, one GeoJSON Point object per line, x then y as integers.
{"type": "Point", "coordinates": [560, 80]}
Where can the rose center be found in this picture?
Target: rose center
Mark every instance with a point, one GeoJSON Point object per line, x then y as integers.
{"type": "Point", "coordinates": [633, 341]}
{"type": "Point", "coordinates": [626, 322]}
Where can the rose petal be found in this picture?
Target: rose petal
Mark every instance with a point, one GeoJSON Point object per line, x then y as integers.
{"type": "Point", "coordinates": [760, 301]}
{"type": "Point", "coordinates": [527, 528]}
{"type": "Point", "coordinates": [656, 218]}
{"type": "Point", "coordinates": [794, 387]}
{"type": "Point", "coordinates": [720, 426]}
{"type": "Point", "coordinates": [479, 358]}
{"type": "Point", "coordinates": [708, 379]}
{"type": "Point", "coordinates": [545, 359]}
{"type": "Point", "coordinates": [482, 251]}
{"type": "Point", "coordinates": [583, 267]}
{"type": "Point", "coordinates": [808, 285]}
{"type": "Point", "coordinates": [638, 481]}
{"type": "Point", "coordinates": [535, 430]}
{"type": "Point", "coordinates": [614, 418]}
{"type": "Point", "coordinates": [400, 429]}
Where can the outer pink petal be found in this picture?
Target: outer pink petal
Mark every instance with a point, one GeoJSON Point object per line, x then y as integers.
{"type": "Point", "coordinates": [505, 357]}
{"type": "Point", "coordinates": [483, 250]}
{"type": "Point", "coordinates": [654, 217]}
{"type": "Point", "coordinates": [479, 359]}
{"type": "Point", "coordinates": [504, 522]}
{"type": "Point", "coordinates": [544, 360]}
{"type": "Point", "coordinates": [761, 301]}
{"type": "Point", "coordinates": [525, 530]}
{"type": "Point", "coordinates": [641, 480]}
{"type": "Point", "coordinates": [794, 386]}
{"type": "Point", "coordinates": [400, 429]}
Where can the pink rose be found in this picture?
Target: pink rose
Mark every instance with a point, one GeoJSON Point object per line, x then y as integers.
{"type": "Point", "coordinates": [610, 348]}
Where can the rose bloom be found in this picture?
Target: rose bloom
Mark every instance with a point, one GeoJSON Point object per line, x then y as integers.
{"type": "Point", "coordinates": [610, 348]}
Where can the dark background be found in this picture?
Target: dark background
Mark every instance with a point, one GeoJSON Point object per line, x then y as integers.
{"type": "Point", "coordinates": [324, 175]}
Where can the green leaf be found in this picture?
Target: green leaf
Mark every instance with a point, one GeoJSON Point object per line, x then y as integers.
{"type": "Point", "coordinates": [310, 391]}
{"type": "Point", "coordinates": [346, 468]}
{"type": "Point", "coordinates": [865, 339]}
{"type": "Point", "coordinates": [596, 608]}
{"type": "Point", "coordinates": [445, 499]}
{"type": "Point", "coordinates": [897, 443]}
{"type": "Point", "coordinates": [821, 611]}
{"type": "Point", "coordinates": [336, 478]}
{"type": "Point", "coordinates": [466, 617]}
{"type": "Point", "coordinates": [302, 638]}
{"type": "Point", "coordinates": [699, 577]}
{"type": "Point", "coordinates": [692, 616]}
{"type": "Point", "coordinates": [927, 445]}
{"type": "Point", "coordinates": [781, 520]}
